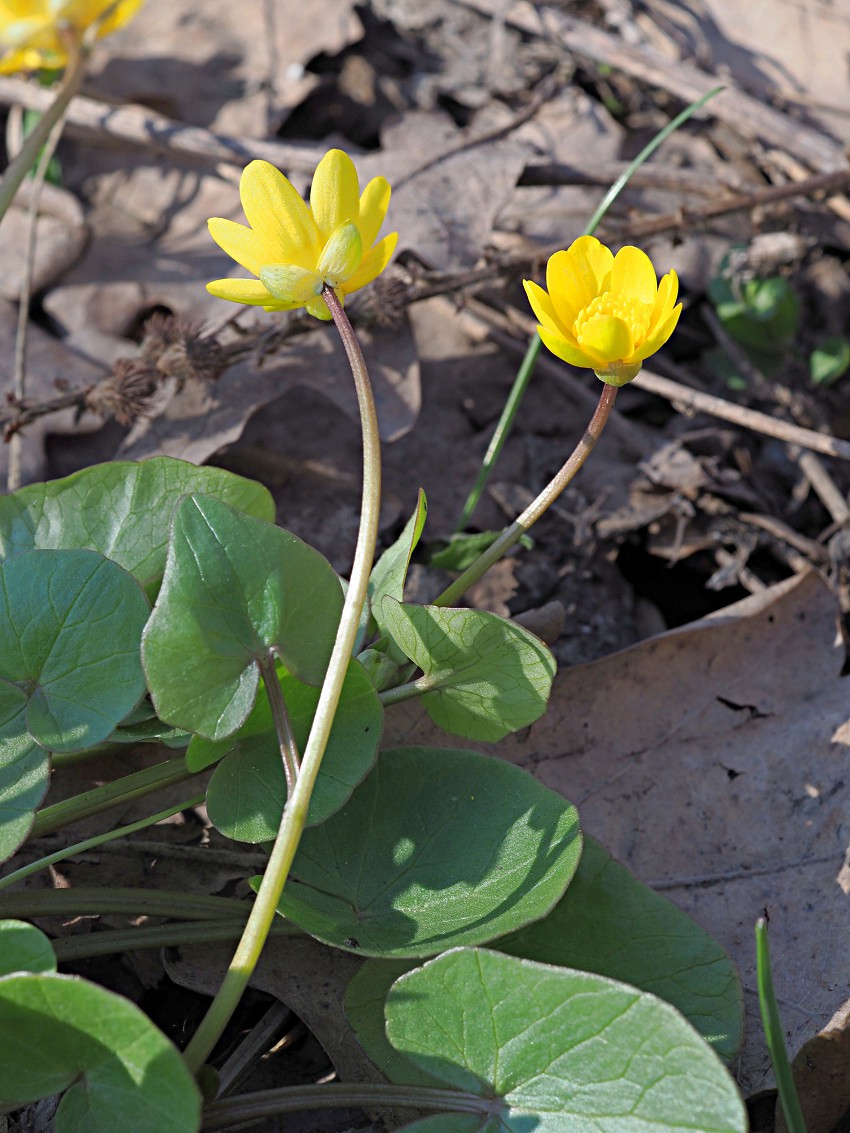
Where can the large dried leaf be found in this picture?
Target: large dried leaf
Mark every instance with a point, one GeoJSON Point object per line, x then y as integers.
{"type": "Point", "coordinates": [713, 762]}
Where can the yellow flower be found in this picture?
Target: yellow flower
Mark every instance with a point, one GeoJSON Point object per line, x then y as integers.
{"type": "Point", "coordinates": [295, 250]}
{"type": "Point", "coordinates": [604, 312]}
{"type": "Point", "coordinates": [31, 30]}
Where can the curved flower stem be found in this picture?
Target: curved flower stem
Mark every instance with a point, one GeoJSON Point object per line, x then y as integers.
{"type": "Point", "coordinates": [97, 840]}
{"type": "Point", "coordinates": [82, 946]}
{"type": "Point", "coordinates": [532, 513]}
{"type": "Point", "coordinates": [295, 812]}
{"type": "Point", "coordinates": [84, 901]}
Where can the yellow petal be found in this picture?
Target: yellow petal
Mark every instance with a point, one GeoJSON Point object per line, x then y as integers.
{"type": "Point", "coordinates": [341, 255]}
{"type": "Point", "coordinates": [335, 192]}
{"type": "Point", "coordinates": [290, 283]}
{"type": "Point", "coordinates": [608, 337]}
{"type": "Point", "coordinates": [659, 335]}
{"type": "Point", "coordinates": [374, 202]}
{"type": "Point", "coordinates": [120, 16]}
{"type": "Point", "coordinates": [545, 311]}
{"type": "Point", "coordinates": [240, 243]}
{"type": "Point", "coordinates": [249, 291]}
{"type": "Point", "coordinates": [668, 289]}
{"type": "Point", "coordinates": [565, 350]}
{"type": "Point", "coordinates": [634, 276]}
{"type": "Point", "coordinates": [577, 276]}
{"type": "Point", "coordinates": [372, 264]}
{"type": "Point", "coordinates": [282, 222]}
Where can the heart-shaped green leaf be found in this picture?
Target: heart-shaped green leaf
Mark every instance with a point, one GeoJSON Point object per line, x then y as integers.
{"type": "Point", "coordinates": [235, 588]}
{"type": "Point", "coordinates": [390, 571]}
{"type": "Point", "coordinates": [556, 1051]}
{"type": "Point", "coordinates": [122, 509]}
{"type": "Point", "coordinates": [435, 847]}
{"type": "Point", "coordinates": [608, 922]}
{"type": "Point", "coordinates": [247, 792]}
{"type": "Point", "coordinates": [70, 628]}
{"type": "Point", "coordinates": [119, 1072]}
{"type": "Point", "coordinates": [24, 948]}
{"type": "Point", "coordinates": [24, 771]}
{"type": "Point", "coordinates": [483, 675]}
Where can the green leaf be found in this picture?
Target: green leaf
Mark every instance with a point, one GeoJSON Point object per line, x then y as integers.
{"type": "Point", "coordinates": [24, 948]}
{"type": "Point", "coordinates": [119, 1072]}
{"type": "Point", "coordinates": [70, 628]}
{"type": "Point", "coordinates": [122, 509]}
{"type": "Point", "coordinates": [484, 676]}
{"type": "Point", "coordinates": [24, 771]}
{"type": "Point", "coordinates": [234, 589]}
{"type": "Point", "coordinates": [759, 313]}
{"type": "Point", "coordinates": [463, 548]}
{"type": "Point", "coordinates": [830, 360]}
{"type": "Point", "coordinates": [365, 998]}
{"type": "Point", "coordinates": [390, 571]}
{"type": "Point", "coordinates": [608, 922]}
{"type": "Point", "coordinates": [557, 1051]}
{"type": "Point", "coordinates": [247, 792]}
{"type": "Point", "coordinates": [435, 847]}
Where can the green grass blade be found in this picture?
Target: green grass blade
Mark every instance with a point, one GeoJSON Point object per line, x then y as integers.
{"type": "Point", "coordinates": [773, 1033]}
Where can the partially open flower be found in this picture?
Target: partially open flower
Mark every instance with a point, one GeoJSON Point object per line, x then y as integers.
{"type": "Point", "coordinates": [295, 250]}
{"type": "Point", "coordinates": [31, 31]}
{"type": "Point", "coordinates": [604, 312]}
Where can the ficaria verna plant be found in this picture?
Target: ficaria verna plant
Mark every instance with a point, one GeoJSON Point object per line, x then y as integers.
{"type": "Point", "coordinates": [604, 312]}
{"type": "Point", "coordinates": [181, 615]}
{"type": "Point", "coordinates": [295, 250]}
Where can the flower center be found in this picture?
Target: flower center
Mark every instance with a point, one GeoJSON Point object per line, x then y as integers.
{"type": "Point", "coordinates": [633, 312]}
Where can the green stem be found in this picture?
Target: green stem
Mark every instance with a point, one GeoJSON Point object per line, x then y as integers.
{"type": "Point", "coordinates": [26, 157]}
{"type": "Point", "coordinates": [290, 1099]}
{"type": "Point", "coordinates": [74, 948]}
{"type": "Point", "coordinates": [84, 901]}
{"type": "Point", "coordinates": [406, 691]}
{"type": "Point", "coordinates": [135, 786]}
{"type": "Point", "coordinates": [97, 840]}
{"type": "Point", "coordinates": [788, 1098]}
{"type": "Point", "coordinates": [532, 513]}
{"type": "Point", "coordinates": [285, 738]}
{"type": "Point", "coordinates": [295, 812]}
{"type": "Point", "coordinates": [509, 412]}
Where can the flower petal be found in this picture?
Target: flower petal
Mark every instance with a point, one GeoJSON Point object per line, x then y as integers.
{"type": "Point", "coordinates": [668, 289]}
{"type": "Point", "coordinates": [249, 291]}
{"type": "Point", "coordinates": [608, 337]}
{"type": "Point", "coordinates": [545, 311]}
{"type": "Point", "coordinates": [372, 264]}
{"type": "Point", "coordinates": [290, 283]}
{"type": "Point", "coordinates": [280, 218]}
{"type": "Point", "coordinates": [374, 202]}
{"type": "Point", "coordinates": [240, 243]}
{"type": "Point", "coordinates": [577, 276]}
{"type": "Point", "coordinates": [659, 335]}
{"type": "Point", "coordinates": [335, 193]}
{"type": "Point", "coordinates": [565, 350]}
{"type": "Point", "coordinates": [633, 275]}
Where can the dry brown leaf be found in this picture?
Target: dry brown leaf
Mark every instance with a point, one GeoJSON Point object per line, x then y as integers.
{"type": "Point", "coordinates": [713, 762]}
{"type": "Point", "coordinates": [822, 1076]}
{"type": "Point", "coordinates": [234, 68]}
{"type": "Point", "coordinates": [61, 235]}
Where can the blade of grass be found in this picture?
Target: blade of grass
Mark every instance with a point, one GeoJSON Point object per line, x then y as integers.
{"type": "Point", "coordinates": [773, 1033]}
{"type": "Point", "coordinates": [526, 369]}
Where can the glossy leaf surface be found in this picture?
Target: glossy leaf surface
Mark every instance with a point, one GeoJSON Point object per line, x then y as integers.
{"type": "Point", "coordinates": [562, 1051]}
{"type": "Point", "coordinates": [70, 628]}
{"type": "Point", "coordinates": [434, 848]}
{"type": "Point", "coordinates": [483, 675]}
{"type": "Point", "coordinates": [234, 589]}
